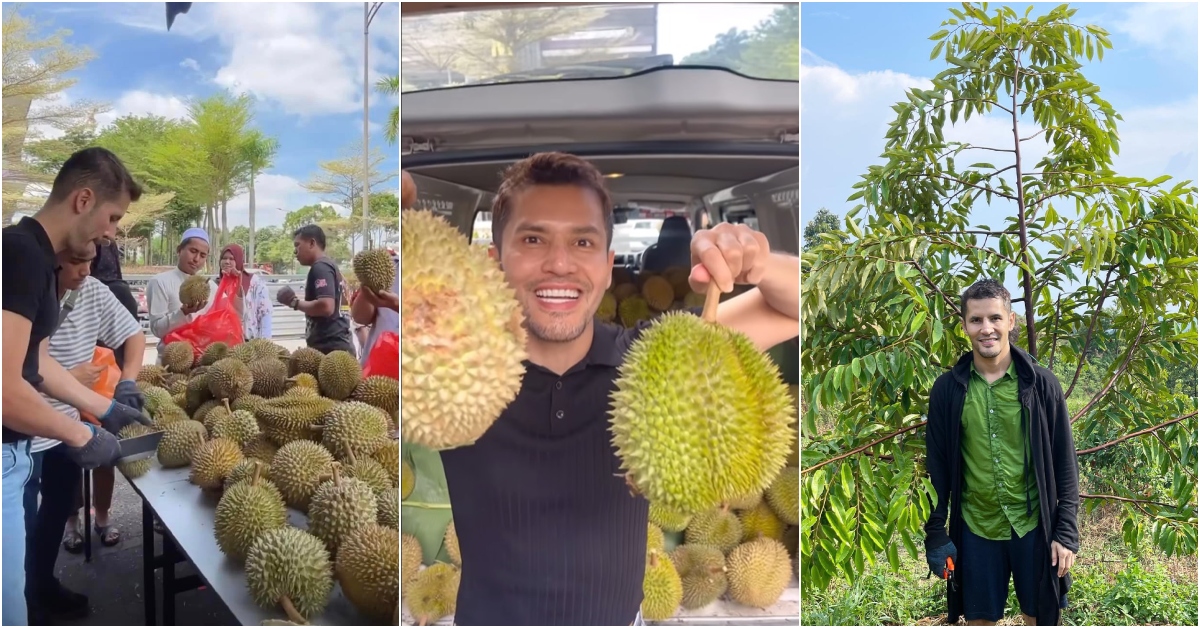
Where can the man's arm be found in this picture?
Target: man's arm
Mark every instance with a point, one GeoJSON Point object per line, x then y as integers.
{"type": "Point", "coordinates": [362, 310]}
{"type": "Point", "coordinates": [162, 321]}
{"type": "Point", "coordinates": [770, 313]}
{"type": "Point", "coordinates": [25, 410]}
{"type": "Point", "coordinates": [937, 464]}
{"type": "Point", "coordinates": [325, 281]}
{"type": "Point", "coordinates": [118, 329]}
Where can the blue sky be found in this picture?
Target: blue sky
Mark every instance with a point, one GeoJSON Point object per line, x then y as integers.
{"type": "Point", "coordinates": [858, 59]}
{"type": "Point", "coordinates": [301, 61]}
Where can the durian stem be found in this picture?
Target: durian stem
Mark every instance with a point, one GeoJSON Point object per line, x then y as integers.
{"type": "Point", "coordinates": [350, 456]}
{"type": "Point", "coordinates": [291, 612]}
{"type": "Point", "coordinates": [257, 471]}
{"type": "Point", "coordinates": [426, 505]}
{"type": "Point", "coordinates": [711, 299]}
{"type": "Point", "coordinates": [337, 478]}
{"type": "Point", "coordinates": [227, 408]}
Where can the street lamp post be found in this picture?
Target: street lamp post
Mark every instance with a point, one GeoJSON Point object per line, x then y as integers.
{"type": "Point", "coordinates": [369, 11]}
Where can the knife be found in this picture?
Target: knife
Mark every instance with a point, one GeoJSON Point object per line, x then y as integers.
{"type": "Point", "coordinates": [139, 447]}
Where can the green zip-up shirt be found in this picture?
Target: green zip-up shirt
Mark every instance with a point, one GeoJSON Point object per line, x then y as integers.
{"type": "Point", "coordinates": [992, 444]}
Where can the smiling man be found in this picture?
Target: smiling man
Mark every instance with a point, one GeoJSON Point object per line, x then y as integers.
{"type": "Point", "coordinates": [1000, 451]}
{"type": "Point", "coordinates": [162, 291]}
{"type": "Point", "coordinates": [548, 531]}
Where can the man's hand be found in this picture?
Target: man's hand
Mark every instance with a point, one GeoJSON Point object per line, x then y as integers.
{"type": "Point", "coordinates": [389, 300]}
{"type": "Point", "coordinates": [129, 394]}
{"type": "Point", "coordinates": [728, 254]}
{"type": "Point", "coordinates": [119, 415]}
{"type": "Point", "coordinates": [937, 558]}
{"type": "Point", "coordinates": [101, 450]}
{"type": "Point", "coordinates": [285, 296]}
{"type": "Point", "coordinates": [189, 310]}
{"type": "Point", "coordinates": [1061, 557]}
{"type": "Point", "coordinates": [87, 373]}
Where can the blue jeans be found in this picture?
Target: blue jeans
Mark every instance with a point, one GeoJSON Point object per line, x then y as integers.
{"type": "Point", "coordinates": [32, 488]}
{"type": "Point", "coordinates": [18, 466]}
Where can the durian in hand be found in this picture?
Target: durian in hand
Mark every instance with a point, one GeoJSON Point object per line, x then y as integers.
{"type": "Point", "coordinates": [700, 416]}
{"type": "Point", "coordinates": [462, 336]}
{"type": "Point", "coordinates": [375, 269]}
{"type": "Point", "coordinates": [193, 292]}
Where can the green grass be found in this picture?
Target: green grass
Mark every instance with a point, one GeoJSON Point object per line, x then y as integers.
{"type": "Point", "coordinates": [1111, 587]}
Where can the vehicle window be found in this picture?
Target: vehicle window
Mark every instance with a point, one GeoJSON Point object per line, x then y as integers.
{"type": "Point", "coordinates": [761, 40]}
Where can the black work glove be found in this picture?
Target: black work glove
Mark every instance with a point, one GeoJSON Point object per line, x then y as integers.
{"type": "Point", "coordinates": [119, 415]}
{"type": "Point", "coordinates": [937, 557]}
{"type": "Point", "coordinates": [101, 451]}
{"type": "Point", "coordinates": [129, 394]}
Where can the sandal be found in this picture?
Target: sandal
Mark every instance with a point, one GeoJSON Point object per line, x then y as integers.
{"type": "Point", "coordinates": [109, 534]}
{"type": "Point", "coordinates": [73, 542]}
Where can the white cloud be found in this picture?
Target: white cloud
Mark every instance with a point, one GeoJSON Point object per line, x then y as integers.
{"type": "Point", "coordinates": [1166, 27]}
{"type": "Point", "coordinates": [140, 103]}
{"type": "Point", "coordinates": [190, 64]}
{"type": "Point", "coordinates": [307, 58]}
{"type": "Point", "coordinates": [274, 196]}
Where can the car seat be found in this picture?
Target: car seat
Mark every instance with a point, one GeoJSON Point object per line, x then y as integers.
{"type": "Point", "coordinates": [673, 248]}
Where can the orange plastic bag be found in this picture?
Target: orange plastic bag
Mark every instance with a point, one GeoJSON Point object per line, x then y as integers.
{"type": "Point", "coordinates": [219, 324]}
{"type": "Point", "coordinates": [385, 357]}
{"type": "Point", "coordinates": [106, 383]}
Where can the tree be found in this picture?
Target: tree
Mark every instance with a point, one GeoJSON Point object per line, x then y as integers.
{"type": "Point", "coordinates": [496, 42]}
{"type": "Point", "coordinates": [770, 50]}
{"type": "Point", "coordinates": [35, 72]}
{"type": "Point", "coordinates": [340, 182]}
{"type": "Point", "coordinates": [824, 221]}
{"type": "Point", "coordinates": [258, 154]}
{"type": "Point", "coordinates": [219, 126]}
{"type": "Point", "coordinates": [880, 312]}
{"type": "Point", "coordinates": [390, 86]}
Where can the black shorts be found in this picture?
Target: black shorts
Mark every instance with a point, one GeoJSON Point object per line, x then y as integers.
{"type": "Point", "coordinates": [985, 566]}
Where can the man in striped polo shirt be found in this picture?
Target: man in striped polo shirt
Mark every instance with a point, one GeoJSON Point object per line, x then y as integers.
{"type": "Point", "coordinates": [90, 314]}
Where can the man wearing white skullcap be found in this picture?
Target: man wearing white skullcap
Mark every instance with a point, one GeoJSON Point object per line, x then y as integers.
{"type": "Point", "coordinates": [162, 291]}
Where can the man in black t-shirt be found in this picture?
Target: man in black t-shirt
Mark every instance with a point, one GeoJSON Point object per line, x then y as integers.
{"type": "Point", "coordinates": [89, 196]}
{"type": "Point", "coordinates": [548, 532]}
{"type": "Point", "coordinates": [326, 328]}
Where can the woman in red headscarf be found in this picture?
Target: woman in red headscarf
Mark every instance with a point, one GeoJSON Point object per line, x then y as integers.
{"type": "Point", "coordinates": [252, 301]}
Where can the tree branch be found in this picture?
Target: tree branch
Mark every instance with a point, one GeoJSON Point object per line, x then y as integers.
{"type": "Point", "coordinates": [1135, 434]}
{"type": "Point", "coordinates": [1113, 380]}
{"type": "Point", "coordinates": [1124, 499]}
{"type": "Point", "coordinates": [948, 300]}
{"type": "Point", "coordinates": [1054, 338]}
{"type": "Point", "coordinates": [864, 447]}
{"type": "Point", "coordinates": [1091, 328]}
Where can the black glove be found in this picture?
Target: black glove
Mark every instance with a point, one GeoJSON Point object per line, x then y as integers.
{"type": "Point", "coordinates": [101, 451]}
{"type": "Point", "coordinates": [937, 557]}
{"type": "Point", "coordinates": [129, 394]}
{"type": "Point", "coordinates": [119, 415]}
{"type": "Point", "coordinates": [285, 296]}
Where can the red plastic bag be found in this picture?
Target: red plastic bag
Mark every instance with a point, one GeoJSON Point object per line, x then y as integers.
{"type": "Point", "coordinates": [384, 358]}
{"type": "Point", "coordinates": [106, 383]}
{"type": "Point", "coordinates": [219, 324]}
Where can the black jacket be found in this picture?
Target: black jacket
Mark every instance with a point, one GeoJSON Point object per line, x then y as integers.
{"type": "Point", "coordinates": [1054, 465]}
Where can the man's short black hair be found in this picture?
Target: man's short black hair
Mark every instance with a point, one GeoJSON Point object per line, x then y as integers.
{"type": "Point", "coordinates": [311, 232]}
{"type": "Point", "coordinates": [96, 168]}
{"type": "Point", "coordinates": [985, 289]}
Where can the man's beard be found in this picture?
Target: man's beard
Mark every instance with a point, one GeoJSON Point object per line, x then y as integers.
{"type": "Point", "coordinates": [560, 329]}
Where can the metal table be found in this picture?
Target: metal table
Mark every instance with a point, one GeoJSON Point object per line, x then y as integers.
{"type": "Point", "coordinates": [186, 513]}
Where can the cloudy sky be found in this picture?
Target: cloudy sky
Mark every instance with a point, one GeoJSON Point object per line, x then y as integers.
{"type": "Point", "coordinates": [301, 61]}
{"type": "Point", "coordinates": [857, 60]}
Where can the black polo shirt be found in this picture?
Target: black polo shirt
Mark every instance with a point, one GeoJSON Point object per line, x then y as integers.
{"type": "Point", "coordinates": [30, 289]}
{"type": "Point", "coordinates": [547, 528]}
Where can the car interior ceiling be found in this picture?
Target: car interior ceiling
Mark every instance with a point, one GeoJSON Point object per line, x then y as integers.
{"type": "Point", "coordinates": [679, 181]}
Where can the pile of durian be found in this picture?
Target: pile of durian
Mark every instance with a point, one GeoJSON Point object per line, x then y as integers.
{"type": "Point", "coordinates": [267, 429]}
{"type": "Point", "coordinates": [628, 301]}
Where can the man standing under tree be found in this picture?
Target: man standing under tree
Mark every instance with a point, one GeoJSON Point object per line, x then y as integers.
{"type": "Point", "coordinates": [326, 329]}
{"type": "Point", "coordinates": [1000, 452]}
{"type": "Point", "coordinates": [89, 196]}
